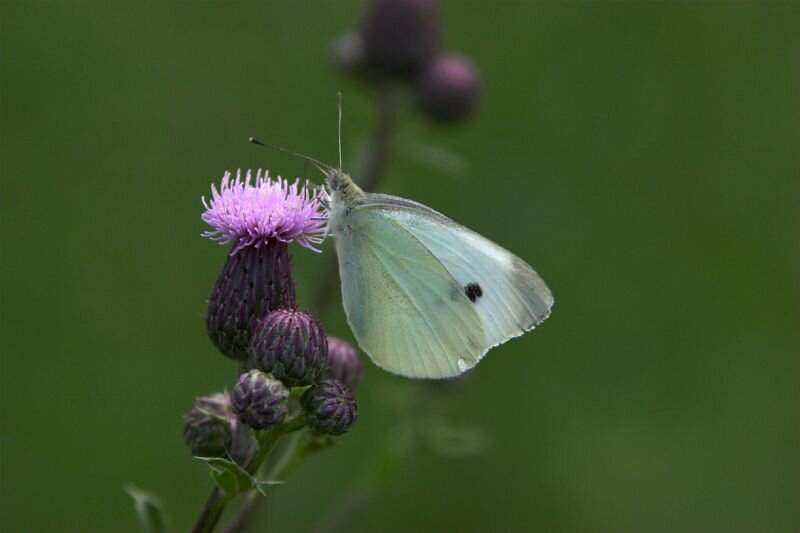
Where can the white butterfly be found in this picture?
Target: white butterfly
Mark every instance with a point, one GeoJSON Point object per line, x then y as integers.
{"type": "Point", "coordinates": [425, 296]}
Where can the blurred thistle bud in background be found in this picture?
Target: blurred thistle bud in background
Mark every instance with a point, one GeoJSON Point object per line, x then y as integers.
{"type": "Point", "coordinates": [344, 364]}
{"type": "Point", "coordinates": [259, 400]}
{"type": "Point", "coordinates": [209, 425]}
{"type": "Point", "coordinates": [330, 407]}
{"type": "Point", "coordinates": [400, 40]}
{"type": "Point", "coordinates": [261, 219]}
{"type": "Point", "coordinates": [347, 53]}
{"type": "Point", "coordinates": [290, 345]}
{"type": "Point", "coordinates": [400, 36]}
{"type": "Point", "coordinates": [448, 88]}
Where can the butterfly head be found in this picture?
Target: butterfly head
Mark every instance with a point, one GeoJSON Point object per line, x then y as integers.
{"type": "Point", "coordinates": [342, 185]}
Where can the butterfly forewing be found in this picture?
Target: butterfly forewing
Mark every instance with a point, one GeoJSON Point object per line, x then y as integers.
{"type": "Point", "coordinates": [508, 295]}
{"type": "Point", "coordinates": [408, 312]}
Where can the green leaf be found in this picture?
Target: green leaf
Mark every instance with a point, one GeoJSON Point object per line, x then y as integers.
{"type": "Point", "coordinates": [232, 478]}
{"type": "Point", "coordinates": [148, 507]}
{"type": "Point", "coordinates": [261, 486]}
{"type": "Point", "coordinates": [229, 476]}
{"type": "Point", "coordinates": [296, 392]}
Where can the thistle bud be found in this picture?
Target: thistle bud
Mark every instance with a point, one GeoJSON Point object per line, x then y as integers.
{"type": "Point", "coordinates": [401, 36]}
{"type": "Point", "coordinates": [347, 53]}
{"type": "Point", "coordinates": [448, 89]}
{"type": "Point", "coordinates": [343, 363]}
{"type": "Point", "coordinates": [208, 426]}
{"type": "Point", "coordinates": [259, 400]}
{"type": "Point", "coordinates": [291, 346]}
{"type": "Point", "coordinates": [330, 407]}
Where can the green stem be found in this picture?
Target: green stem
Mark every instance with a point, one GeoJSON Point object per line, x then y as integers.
{"type": "Point", "coordinates": [211, 512]}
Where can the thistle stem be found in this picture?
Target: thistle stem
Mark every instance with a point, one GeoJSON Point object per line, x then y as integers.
{"type": "Point", "coordinates": [211, 512]}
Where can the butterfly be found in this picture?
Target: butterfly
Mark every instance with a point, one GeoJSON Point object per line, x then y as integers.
{"type": "Point", "coordinates": [424, 296]}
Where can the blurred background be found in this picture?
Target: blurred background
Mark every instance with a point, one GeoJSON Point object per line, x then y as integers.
{"type": "Point", "coordinates": [642, 156]}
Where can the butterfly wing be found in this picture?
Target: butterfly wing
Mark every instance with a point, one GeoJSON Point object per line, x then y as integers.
{"type": "Point", "coordinates": [427, 297]}
{"type": "Point", "coordinates": [513, 300]}
{"type": "Point", "coordinates": [406, 310]}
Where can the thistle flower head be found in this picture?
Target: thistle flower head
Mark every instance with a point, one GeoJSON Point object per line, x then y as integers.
{"type": "Point", "coordinates": [251, 213]}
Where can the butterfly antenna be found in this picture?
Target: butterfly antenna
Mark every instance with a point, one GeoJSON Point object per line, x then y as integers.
{"type": "Point", "coordinates": [339, 103]}
{"type": "Point", "coordinates": [322, 167]}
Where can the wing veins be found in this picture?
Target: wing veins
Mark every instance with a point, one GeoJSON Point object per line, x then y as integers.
{"type": "Point", "coordinates": [467, 327]}
{"type": "Point", "coordinates": [410, 300]}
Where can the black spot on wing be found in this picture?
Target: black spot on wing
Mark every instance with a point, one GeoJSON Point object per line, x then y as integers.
{"type": "Point", "coordinates": [473, 291]}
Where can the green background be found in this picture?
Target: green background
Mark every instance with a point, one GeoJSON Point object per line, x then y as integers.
{"type": "Point", "coordinates": [644, 157]}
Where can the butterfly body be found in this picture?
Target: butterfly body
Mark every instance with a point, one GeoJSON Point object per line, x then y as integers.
{"type": "Point", "coordinates": [424, 296]}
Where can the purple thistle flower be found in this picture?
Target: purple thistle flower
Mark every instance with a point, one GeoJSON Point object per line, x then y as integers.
{"type": "Point", "coordinates": [260, 218]}
{"type": "Point", "coordinates": [253, 213]}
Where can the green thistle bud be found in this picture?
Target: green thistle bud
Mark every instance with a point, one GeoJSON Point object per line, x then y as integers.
{"type": "Point", "coordinates": [208, 426]}
{"type": "Point", "coordinates": [259, 400]}
{"type": "Point", "coordinates": [291, 346]}
{"type": "Point", "coordinates": [330, 407]}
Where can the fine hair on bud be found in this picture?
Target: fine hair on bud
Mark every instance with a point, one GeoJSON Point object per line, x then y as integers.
{"type": "Point", "coordinates": [259, 400]}
{"type": "Point", "coordinates": [291, 345]}
{"type": "Point", "coordinates": [330, 407]}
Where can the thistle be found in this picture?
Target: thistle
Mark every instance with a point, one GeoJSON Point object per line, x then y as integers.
{"type": "Point", "coordinates": [330, 407]}
{"type": "Point", "coordinates": [290, 345]}
{"type": "Point", "coordinates": [259, 400]}
{"type": "Point", "coordinates": [448, 89]}
{"type": "Point", "coordinates": [260, 219]}
{"type": "Point", "coordinates": [209, 425]}
{"type": "Point", "coordinates": [401, 36]}
{"type": "Point", "coordinates": [343, 363]}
